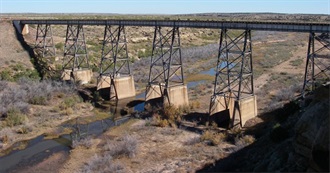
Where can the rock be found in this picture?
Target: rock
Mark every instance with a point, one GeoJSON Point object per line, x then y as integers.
{"type": "Point", "coordinates": [312, 136]}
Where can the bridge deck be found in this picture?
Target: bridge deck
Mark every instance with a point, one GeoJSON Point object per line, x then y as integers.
{"type": "Point", "coordinates": [266, 26]}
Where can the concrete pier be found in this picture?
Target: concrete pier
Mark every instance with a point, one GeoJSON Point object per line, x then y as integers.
{"type": "Point", "coordinates": [82, 76]}
{"type": "Point", "coordinates": [178, 95]}
{"type": "Point", "coordinates": [236, 110]}
{"type": "Point", "coordinates": [248, 107]}
{"type": "Point", "coordinates": [123, 86]}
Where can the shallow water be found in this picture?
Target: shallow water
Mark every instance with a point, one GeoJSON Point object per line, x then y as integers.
{"type": "Point", "coordinates": [39, 148]}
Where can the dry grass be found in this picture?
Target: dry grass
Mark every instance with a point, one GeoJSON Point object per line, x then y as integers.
{"type": "Point", "coordinates": [244, 141]}
{"type": "Point", "coordinates": [127, 146]}
{"type": "Point", "coordinates": [214, 138]}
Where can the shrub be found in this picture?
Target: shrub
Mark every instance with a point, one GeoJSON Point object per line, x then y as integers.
{"type": "Point", "coordinates": [244, 141]}
{"type": "Point", "coordinates": [194, 104]}
{"type": "Point", "coordinates": [213, 137]}
{"type": "Point", "coordinates": [103, 164]}
{"type": "Point", "coordinates": [6, 75]}
{"type": "Point", "coordinates": [86, 142]}
{"type": "Point", "coordinates": [128, 147]}
{"type": "Point", "coordinates": [15, 117]}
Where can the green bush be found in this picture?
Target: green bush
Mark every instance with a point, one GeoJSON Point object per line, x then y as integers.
{"type": "Point", "coordinates": [59, 46]}
{"type": "Point", "coordinates": [6, 75]}
{"type": "Point", "coordinates": [15, 117]}
{"type": "Point", "coordinates": [38, 100]}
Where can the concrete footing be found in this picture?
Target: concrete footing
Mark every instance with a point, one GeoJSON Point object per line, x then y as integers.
{"type": "Point", "coordinates": [178, 95]}
{"type": "Point", "coordinates": [248, 107]}
{"type": "Point", "coordinates": [123, 85]}
{"type": "Point", "coordinates": [234, 110]}
{"type": "Point", "coordinates": [82, 76]}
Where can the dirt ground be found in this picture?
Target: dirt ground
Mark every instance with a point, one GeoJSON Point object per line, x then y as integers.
{"type": "Point", "coordinates": [11, 51]}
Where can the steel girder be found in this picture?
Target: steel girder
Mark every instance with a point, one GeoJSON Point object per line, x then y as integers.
{"type": "Point", "coordinates": [166, 64]}
{"type": "Point", "coordinates": [75, 51]}
{"type": "Point", "coordinates": [44, 45]}
{"type": "Point", "coordinates": [317, 69]}
{"type": "Point", "coordinates": [234, 71]}
{"type": "Point", "coordinates": [115, 60]}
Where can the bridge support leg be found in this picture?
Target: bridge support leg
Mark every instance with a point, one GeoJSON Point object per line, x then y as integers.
{"type": "Point", "coordinates": [115, 74]}
{"type": "Point", "coordinates": [75, 61]}
{"type": "Point", "coordinates": [317, 70]}
{"type": "Point", "coordinates": [44, 45]}
{"type": "Point", "coordinates": [166, 72]}
{"type": "Point", "coordinates": [233, 96]}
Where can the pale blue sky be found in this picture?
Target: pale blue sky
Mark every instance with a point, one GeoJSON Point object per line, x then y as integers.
{"type": "Point", "coordinates": [164, 6]}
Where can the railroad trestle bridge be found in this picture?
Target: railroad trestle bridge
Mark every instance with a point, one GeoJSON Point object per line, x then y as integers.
{"type": "Point", "coordinates": [233, 88]}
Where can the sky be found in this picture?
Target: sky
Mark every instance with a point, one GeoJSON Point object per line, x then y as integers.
{"type": "Point", "coordinates": [165, 6]}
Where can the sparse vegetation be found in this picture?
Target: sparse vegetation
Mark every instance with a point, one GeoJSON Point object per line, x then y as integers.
{"type": "Point", "coordinates": [296, 62]}
{"type": "Point", "coordinates": [16, 99]}
{"type": "Point", "coordinates": [127, 146]}
{"type": "Point", "coordinates": [103, 163]}
{"type": "Point", "coordinates": [214, 138]}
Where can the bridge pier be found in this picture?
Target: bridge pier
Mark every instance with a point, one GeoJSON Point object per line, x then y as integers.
{"type": "Point", "coordinates": [44, 45]}
{"type": "Point", "coordinates": [317, 64]}
{"type": "Point", "coordinates": [75, 60]}
{"type": "Point", "coordinates": [166, 73]}
{"type": "Point", "coordinates": [115, 74]}
{"type": "Point", "coordinates": [233, 96]}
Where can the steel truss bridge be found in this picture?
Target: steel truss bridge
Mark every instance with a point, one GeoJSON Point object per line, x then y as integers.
{"type": "Point", "coordinates": [234, 69]}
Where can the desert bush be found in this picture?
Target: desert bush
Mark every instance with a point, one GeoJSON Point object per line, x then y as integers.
{"type": "Point", "coordinates": [127, 146]}
{"type": "Point", "coordinates": [244, 141]}
{"type": "Point", "coordinates": [19, 96]}
{"type": "Point", "coordinates": [6, 75]}
{"type": "Point", "coordinates": [169, 115]}
{"type": "Point", "coordinates": [14, 117]}
{"type": "Point", "coordinates": [25, 129]}
{"type": "Point", "coordinates": [194, 104]}
{"type": "Point", "coordinates": [213, 138]}
{"type": "Point", "coordinates": [103, 163]}
{"type": "Point", "coordinates": [86, 142]}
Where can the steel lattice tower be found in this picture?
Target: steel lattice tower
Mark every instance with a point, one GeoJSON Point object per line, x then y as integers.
{"type": "Point", "coordinates": [75, 51]}
{"type": "Point", "coordinates": [234, 77]}
{"type": "Point", "coordinates": [115, 60]}
{"type": "Point", "coordinates": [317, 63]}
{"type": "Point", "coordinates": [166, 63]}
{"type": "Point", "coordinates": [44, 45]}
